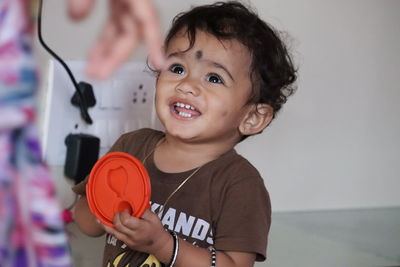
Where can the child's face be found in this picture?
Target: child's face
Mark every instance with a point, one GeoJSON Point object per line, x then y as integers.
{"type": "Point", "coordinates": [202, 95]}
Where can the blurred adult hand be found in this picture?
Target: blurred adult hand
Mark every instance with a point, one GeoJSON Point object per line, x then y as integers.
{"type": "Point", "coordinates": [129, 23]}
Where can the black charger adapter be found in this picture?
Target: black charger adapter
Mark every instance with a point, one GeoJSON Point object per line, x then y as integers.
{"type": "Point", "coordinates": [82, 154]}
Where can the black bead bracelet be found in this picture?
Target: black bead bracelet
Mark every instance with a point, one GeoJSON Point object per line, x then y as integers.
{"type": "Point", "coordinates": [213, 256]}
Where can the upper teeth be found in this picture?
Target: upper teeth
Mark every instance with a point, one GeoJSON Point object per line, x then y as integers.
{"type": "Point", "coordinates": [187, 106]}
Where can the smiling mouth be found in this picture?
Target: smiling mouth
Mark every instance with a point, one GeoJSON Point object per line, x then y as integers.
{"type": "Point", "coordinates": [185, 110]}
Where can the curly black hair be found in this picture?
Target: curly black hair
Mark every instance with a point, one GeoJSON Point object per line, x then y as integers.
{"type": "Point", "coordinates": [272, 70]}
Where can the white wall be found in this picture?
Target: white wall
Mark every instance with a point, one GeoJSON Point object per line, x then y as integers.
{"type": "Point", "coordinates": [336, 142]}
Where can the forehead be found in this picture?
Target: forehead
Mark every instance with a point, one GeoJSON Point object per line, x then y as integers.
{"type": "Point", "coordinates": [231, 52]}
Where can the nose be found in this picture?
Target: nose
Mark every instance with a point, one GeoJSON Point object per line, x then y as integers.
{"type": "Point", "coordinates": [188, 86]}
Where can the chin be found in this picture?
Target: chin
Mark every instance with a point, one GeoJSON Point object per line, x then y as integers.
{"type": "Point", "coordinates": [181, 130]}
{"type": "Point", "coordinates": [180, 133]}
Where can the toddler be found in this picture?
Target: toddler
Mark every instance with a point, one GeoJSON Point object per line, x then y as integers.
{"type": "Point", "coordinates": [228, 75]}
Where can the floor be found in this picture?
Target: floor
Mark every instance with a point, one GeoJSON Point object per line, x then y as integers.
{"type": "Point", "coordinates": [368, 237]}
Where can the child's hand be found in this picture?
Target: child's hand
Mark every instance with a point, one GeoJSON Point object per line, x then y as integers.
{"type": "Point", "coordinates": [144, 234]}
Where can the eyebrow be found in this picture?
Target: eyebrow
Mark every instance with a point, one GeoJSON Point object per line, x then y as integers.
{"type": "Point", "coordinates": [176, 54]}
{"type": "Point", "coordinates": [179, 54]}
{"type": "Point", "coordinates": [219, 66]}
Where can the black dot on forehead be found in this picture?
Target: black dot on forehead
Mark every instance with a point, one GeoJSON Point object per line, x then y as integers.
{"type": "Point", "coordinates": [199, 54]}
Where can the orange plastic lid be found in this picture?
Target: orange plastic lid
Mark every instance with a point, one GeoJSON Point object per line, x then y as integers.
{"type": "Point", "coordinates": [118, 182]}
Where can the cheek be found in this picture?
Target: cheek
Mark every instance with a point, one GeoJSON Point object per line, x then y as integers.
{"type": "Point", "coordinates": [224, 114]}
{"type": "Point", "coordinates": [160, 90]}
{"type": "Point", "coordinates": [156, 97]}
{"type": "Point", "coordinates": [224, 105]}
{"type": "Point", "coordinates": [159, 99]}
{"type": "Point", "coordinates": [222, 110]}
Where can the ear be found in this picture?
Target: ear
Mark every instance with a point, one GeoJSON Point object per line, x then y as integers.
{"type": "Point", "coordinates": [257, 118]}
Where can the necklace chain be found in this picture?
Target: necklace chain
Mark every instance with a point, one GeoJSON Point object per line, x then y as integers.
{"type": "Point", "coordinates": [177, 189]}
{"type": "Point", "coordinates": [179, 186]}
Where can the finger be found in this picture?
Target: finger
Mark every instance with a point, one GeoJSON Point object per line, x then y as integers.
{"type": "Point", "coordinates": [118, 235]}
{"type": "Point", "coordinates": [126, 218]}
{"type": "Point", "coordinates": [156, 51]}
{"type": "Point", "coordinates": [110, 230]}
{"type": "Point", "coordinates": [130, 222]}
{"type": "Point", "coordinates": [146, 15]}
{"type": "Point", "coordinates": [102, 44]}
{"type": "Point", "coordinates": [78, 9]}
{"type": "Point", "coordinates": [107, 59]}
{"type": "Point", "coordinates": [100, 53]}
{"type": "Point", "coordinates": [112, 50]}
{"type": "Point", "coordinates": [148, 215]}
{"type": "Point", "coordinates": [122, 223]}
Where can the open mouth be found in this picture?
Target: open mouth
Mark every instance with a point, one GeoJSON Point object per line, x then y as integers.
{"type": "Point", "coordinates": [185, 110]}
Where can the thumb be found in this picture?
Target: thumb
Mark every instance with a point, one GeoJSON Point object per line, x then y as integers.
{"type": "Point", "coordinates": [148, 215]}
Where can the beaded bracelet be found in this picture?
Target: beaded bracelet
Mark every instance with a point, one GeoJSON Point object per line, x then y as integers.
{"type": "Point", "coordinates": [213, 256]}
{"type": "Point", "coordinates": [175, 250]}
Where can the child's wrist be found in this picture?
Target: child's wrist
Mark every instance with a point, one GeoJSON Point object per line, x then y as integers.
{"type": "Point", "coordinates": [175, 249]}
{"type": "Point", "coordinates": [163, 251]}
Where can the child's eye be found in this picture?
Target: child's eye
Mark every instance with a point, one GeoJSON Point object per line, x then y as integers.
{"type": "Point", "coordinates": [176, 68]}
{"type": "Point", "coordinates": [214, 78]}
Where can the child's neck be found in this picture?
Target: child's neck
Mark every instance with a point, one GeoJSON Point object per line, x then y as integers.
{"type": "Point", "coordinates": [173, 155]}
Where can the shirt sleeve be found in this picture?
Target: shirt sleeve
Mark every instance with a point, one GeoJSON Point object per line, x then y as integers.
{"type": "Point", "coordinates": [245, 218]}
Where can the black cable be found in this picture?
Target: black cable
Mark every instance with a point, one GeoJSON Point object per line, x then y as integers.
{"type": "Point", "coordinates": [83, 106]}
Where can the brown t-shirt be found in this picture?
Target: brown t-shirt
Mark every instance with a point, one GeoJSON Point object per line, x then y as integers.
{"type": "Point", "coordinates": [225, 204]}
